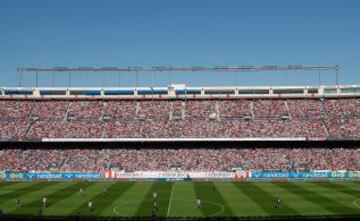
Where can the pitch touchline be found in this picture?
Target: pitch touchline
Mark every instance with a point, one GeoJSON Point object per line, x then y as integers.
{"type": "Point", "coordinates": [171, 197]}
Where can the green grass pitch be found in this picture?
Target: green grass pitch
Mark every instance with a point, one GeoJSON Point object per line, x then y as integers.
{"type": "Point", "coordinates": [179, 198]}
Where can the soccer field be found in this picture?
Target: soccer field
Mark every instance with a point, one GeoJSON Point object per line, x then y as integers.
{"type": "Point", "coordinates": [177, 199]}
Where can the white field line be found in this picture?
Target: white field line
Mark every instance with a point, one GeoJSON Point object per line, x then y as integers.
{"type": "Point", "coordinates": [171, 197]}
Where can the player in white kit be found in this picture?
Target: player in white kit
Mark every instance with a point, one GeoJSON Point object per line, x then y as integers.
{"type": "Point", "coordinates": [198, 203]}
{"type": "Point", "coordinates": [90, 205]}
{"type": "Point", "coordinates": [45, 202]}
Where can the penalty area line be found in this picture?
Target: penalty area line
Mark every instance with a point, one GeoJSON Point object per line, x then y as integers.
{"type": "Point", "coordinates": [171, 197]}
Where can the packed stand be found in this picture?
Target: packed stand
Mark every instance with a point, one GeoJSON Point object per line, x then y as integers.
{"type": "Point", "coordinates": [270, 109]}
{"type": "Point", "coordinates": [203, 159]}
{"type": "Point", "coordinates": [272, 118]}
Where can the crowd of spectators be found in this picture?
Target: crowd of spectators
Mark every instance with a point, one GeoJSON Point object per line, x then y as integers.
{"type": "Point", "coordinates": [343, 108]}
{"type": "Point", "coordinates": [10, 110]}
{"type": "Point", "coordinates": [54, 110]}
{"type": "Point", "coordinates": [80, 110]}
{"type": "Point", "coordinates": [47, 128]}
{"type": "Point", "coordinates": [270, 109]}
{"type": "Point", "coordinates": [311, 128]}
{"type": "Point", "coordinates": [200, 108]}
{"type": "Point", "coordinates": [305, 109]}
{"type": "Point", "coordinates": [13, 129]}
{"type": "Point", "coordinates": [120, 109]}
{"type": "Point", "coordinates": [308, 118]}
{"type": "Point", "coordinates": [235, 109]}
{"type": "Point", "coordinates": [153, 110]}
{"type": "Point", "coordinates": [344, 127]}
{"type": "Point", "coordinates": [203, 159]}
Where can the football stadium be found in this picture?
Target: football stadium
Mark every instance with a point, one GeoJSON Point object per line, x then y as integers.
{"type": "Point", "coordinates": [181, 152]}
{"type": "Point", "coordinates": [179, 110]}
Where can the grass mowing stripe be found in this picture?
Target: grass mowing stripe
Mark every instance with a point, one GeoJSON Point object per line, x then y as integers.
{"type": "Point", "coordinates": [6, 184]}
{"type": "Point", "coordinates": [163, 190]}
{"type": "Point", "coordinates": [325, 202]}
{"type": "Point", "coordinates": [212, 202]}
{"type": "Point", "coordinates": [66, 202]}
{"type": "Point", "coordinates": [304, 207]}
{"type": "Point", "coordinates": [17, 185]}
{"type": "Point", "coordinates": [236, 199]}
{"type": "Point", "coordinates": [183, 201]}
{"type": "Point", "coordinates": [340, 188]}
{"type": "Point", "coordinates": [103, 200]}
{"type": "Point", "coordinates": [35, 203]}
{"type": "Point", "coordinates": [125, 205]}
{"type": "Point", "coordinates": [354, 184]}
{"type": "Point", "coordinates": [3, 192]}
{"type": "Point", "coordinates": [32, 186]}
{"type": "Point", "coordinates": [265, 200]}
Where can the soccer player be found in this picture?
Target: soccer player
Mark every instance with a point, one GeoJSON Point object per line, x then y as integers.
{"type": "Point", "coordinates": [278, 203]}
{"type": "Point", "coordinates": [155, 208]}
{"type": "Point", "coordinates": [198, 203]}
{"type": "Point", "coordinates": [104, 190]}
{"type": "Point", "coordinates": [154, 213]}
{"type": "Point", "coordinates": [18, 203]}
{"type": "Point", "coordinates": [155, 202]}
{"type": "Point", "coordinates": [90, 205]}
{"type": "Point", "coordinates": [45, 202]}
{"type": "Point", "coordinates": [154, 196]}
{"type": "Point", "coordinates": [81, 191]}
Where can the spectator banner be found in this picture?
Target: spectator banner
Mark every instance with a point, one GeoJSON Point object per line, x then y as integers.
{"type": "Point", "coordinates": [354, 174]}
{"type": "Point", "coordinates": [2, 175]}
{"type": "Point", "coordinates": [51, 175]}
{"type": "Point", "coordinates": [176, 175]}
{"type": "Point", "coordinates": [305, 175]}
{"type": "Point", "coordinates": [236, 175]}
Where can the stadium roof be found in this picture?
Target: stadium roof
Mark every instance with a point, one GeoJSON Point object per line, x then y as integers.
{"type": "Point", "coordinates": [189, 68]}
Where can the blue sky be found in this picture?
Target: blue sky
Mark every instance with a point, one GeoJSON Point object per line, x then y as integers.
{"type": "Point", "coordinates": [179, 33]}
